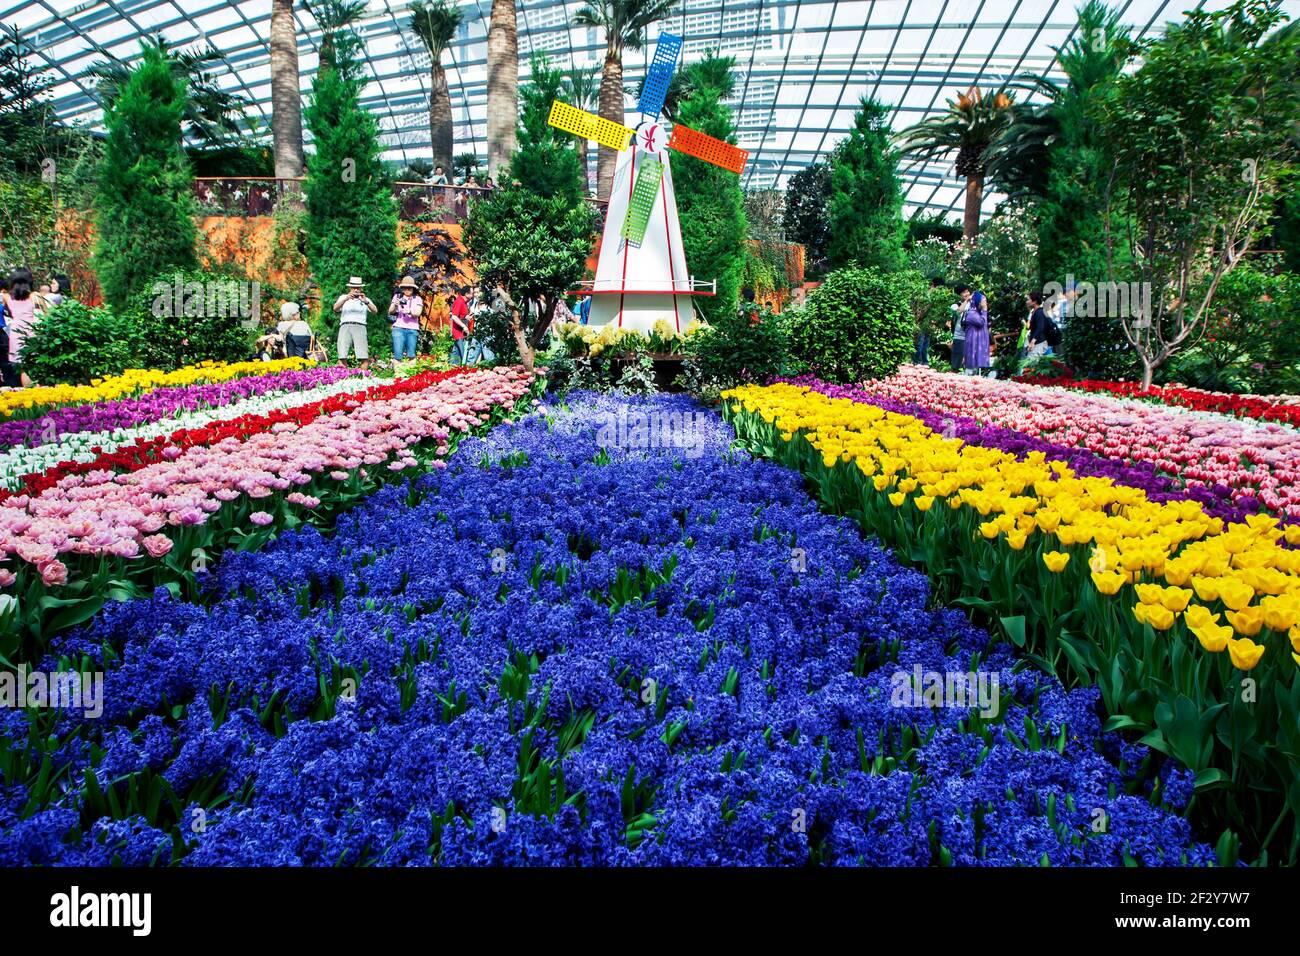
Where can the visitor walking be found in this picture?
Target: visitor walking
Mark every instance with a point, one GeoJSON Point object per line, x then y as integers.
{"type": "Point", "coordinates": [1038, 343]}
{"type": "Point", "coordinates": [439, 177]}
{"type": "Point", "coordinates": [1065, 304]}
{"type": "Point", "coordinates": [958, 334]}
{"type": "Point", "coordinates": [404, 311]}
{"type": "Point", "coordinates": [20, 315]}
{"type": "Point", "coordinates": [295, 332]}
{"type": "Point", "coordinates": [476, 351]}
{"type": "Point", "coordinates": [7, 377]}
{"type": "Point", "coordinates": [975, 323]}
{"type": "Point", "coordinates": [460, 329]}
{"type": "Point", "coordinates": [584, 310]}
{"type": "Point", "coordinates": [354, 308]}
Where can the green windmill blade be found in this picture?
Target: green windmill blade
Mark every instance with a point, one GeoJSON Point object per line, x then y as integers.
{"type": "Point", "coordinates": [642, 201]}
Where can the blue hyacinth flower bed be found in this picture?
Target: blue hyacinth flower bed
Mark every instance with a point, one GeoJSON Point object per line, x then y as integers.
{"type": "Point", "coordinates": [567, 650]}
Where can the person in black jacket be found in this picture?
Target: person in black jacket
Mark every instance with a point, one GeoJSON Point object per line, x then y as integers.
{"type": "Point", "coordinates": [1040, 328]}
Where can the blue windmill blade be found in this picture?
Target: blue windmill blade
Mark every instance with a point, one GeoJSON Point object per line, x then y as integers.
{"type": "Point", "coordinates": [660, 74]}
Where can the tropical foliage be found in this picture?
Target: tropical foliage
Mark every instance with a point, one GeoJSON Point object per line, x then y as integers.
{"type": "Point", "coordinates": [1200, 142]}
{"type": "Point", "coordinates": [962, 134]}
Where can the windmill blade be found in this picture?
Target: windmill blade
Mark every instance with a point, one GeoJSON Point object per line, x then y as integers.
{"type": "Point", "coordinates": [703, 146]}
{"type": "Point", "coordinates": [642, 201]}
{"type": "Point", "coordinates": [589, 126]}
{"type": "Point", "coordinates": [660, 74]}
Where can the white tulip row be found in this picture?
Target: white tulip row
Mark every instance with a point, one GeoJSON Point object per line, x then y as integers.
{"type": "Point", "coordinates": [22, 460]}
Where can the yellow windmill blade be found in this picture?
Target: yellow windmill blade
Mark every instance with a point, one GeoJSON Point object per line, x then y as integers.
{"type": "Point", "coordinates": [589, 126]}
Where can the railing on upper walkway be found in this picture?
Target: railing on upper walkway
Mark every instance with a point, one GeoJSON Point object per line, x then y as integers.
{"type": "Point", "coordinates": [258, 196]}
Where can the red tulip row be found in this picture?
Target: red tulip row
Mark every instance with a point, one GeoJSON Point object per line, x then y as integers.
{"type": "Point", "coordinates": [1260, 407]}
{"type": "Point", "coordinates": [144, 452]}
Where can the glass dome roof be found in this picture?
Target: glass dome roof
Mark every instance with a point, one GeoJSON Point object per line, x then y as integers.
{"type": "Point", "coordinates": [802, 65]}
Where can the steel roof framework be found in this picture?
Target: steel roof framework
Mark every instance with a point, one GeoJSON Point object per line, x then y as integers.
{"type": "Point", "coordinates": [822, 56]}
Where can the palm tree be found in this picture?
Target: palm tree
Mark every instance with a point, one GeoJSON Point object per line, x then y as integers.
{"type": "Point", "coordinates": [502, 84]}
{"type": "Point", "coordinates": [466, 164]}
{"type": "Point", "coordinates": [970, 124]}
{"type": "Point", "coordinates": [212, 115]}
{"type": "Point", "coordinates": [624, 23]}
{"type": "Point", "coordinates": [1020, 159]}
{"type": "Point", "coordinates": [286, 95]}
{"type": "Point", "coordinates": [435, 24]}
{"type": "Point", "coordinates": [336, 19]}
{"type": "Point", "coordinates": [582, 89]}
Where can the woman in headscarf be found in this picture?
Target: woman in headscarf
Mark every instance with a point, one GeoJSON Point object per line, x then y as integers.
{"type": "Point", "coordinates": [974, 318]}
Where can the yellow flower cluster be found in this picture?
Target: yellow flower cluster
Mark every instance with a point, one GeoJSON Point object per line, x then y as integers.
{"type": "Point", "coordinates": [1171, 552]}
{"type": "Point", "coordinates": [137, 381]}
{"type": "Point", "coordinates": [596, 339]}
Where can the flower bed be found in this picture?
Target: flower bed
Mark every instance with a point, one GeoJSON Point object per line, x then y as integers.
{"type": "Point", "coordinates": [202, 406]}
{"type": "Point", "coordinates": [153, 514]}
{"type": "Point", "coordinates": [162, 403]}
{"type": "Point", "coordinates": [1217, 501]}
{"type": "Point", "coordinates": [560, 652]}
{"type": "Point", "coordinates": [1249, 459]}
{"type": "Point", "coordinates": [1269, 408]}
{"type": "Point", "coordinates": [1043, 553]}
{"type": "Point", "coordinates": [35, 401]}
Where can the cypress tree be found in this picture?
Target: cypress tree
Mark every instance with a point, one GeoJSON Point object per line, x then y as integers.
{"type": "Point", "coordinates": [144, 205]}
{"type": "Point", "coordinates": [351, 215]}
{"type": "Point", "coordinates": [711, 206]}
{"type": "Point", "coordinates": [866, 195]}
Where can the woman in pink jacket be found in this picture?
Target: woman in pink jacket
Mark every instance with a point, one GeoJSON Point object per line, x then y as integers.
{"type": "Point", "coordinates": [20, 315]}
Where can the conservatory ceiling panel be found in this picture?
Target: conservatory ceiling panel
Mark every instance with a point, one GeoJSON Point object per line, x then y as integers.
{"type": "Point", "coordinates": [802, 65]}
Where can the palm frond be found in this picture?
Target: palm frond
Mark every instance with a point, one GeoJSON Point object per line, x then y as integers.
{"type": "Point", "coordinates": [435, 24]}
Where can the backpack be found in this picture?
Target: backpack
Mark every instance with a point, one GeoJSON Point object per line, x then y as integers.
{"type": "Point", "coordinates": [1053, 333]}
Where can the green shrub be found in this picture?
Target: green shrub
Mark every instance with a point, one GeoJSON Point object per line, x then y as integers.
{"type": "Point", "coordinates": [492, 328]}
{"type": "Point", "coordinates": [742, 346]}
{"type": "Point", "coordinates": [72, 344]}
{"type": "Point", "coordinates": [187, 317]}
{"type": "Point", "coordinates": [857, 325]}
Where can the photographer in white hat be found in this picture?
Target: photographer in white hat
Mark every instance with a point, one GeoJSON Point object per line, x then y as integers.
{"type": "Point", "coordinates": [354, 308]}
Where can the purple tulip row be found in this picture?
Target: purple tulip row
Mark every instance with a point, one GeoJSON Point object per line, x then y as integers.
{"type": "Point", "coordinates": [161, 403]}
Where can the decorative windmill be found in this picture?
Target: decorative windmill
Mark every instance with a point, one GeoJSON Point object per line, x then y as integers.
{"type": "Point", "coordinates": [641, 275]}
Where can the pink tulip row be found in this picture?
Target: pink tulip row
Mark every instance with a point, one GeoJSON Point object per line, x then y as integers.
{"type": "Point", "coordinates": [1251, 458]}
{"type": "Point", "coordinates": [104, 514]}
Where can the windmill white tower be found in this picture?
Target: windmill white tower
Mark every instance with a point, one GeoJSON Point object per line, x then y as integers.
{"type": "Point", "coordinates": [642, 274]}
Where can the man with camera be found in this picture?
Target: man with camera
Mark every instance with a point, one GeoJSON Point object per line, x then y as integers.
{"type": "Point", "coordinates": [354, 308]}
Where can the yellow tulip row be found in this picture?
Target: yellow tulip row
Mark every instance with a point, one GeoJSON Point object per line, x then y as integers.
{"type": "Point", "coordinates": [137, 381]}
{"type": "Point", "coordinates": [1246, 567]}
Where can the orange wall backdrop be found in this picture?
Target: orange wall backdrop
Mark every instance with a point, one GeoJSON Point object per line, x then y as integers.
{"type": "Point", "coordinates": [252, 245]}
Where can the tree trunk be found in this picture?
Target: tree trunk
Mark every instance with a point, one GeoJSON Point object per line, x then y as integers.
{"type": "Point", "coordinates": [970, 226]}
{"type": "Point", "coordinates": [440, 122]}
{"type": "Point", "coordinates": [527, 354]}
{"type": "Point", "coordinates": [286, 98]}
{"type": "Point", "coordinates": [581, 145]}
{"type": "Point", "coordinates": [502, 85]}
{"type": "Point", "coordinates": [611, 108]}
